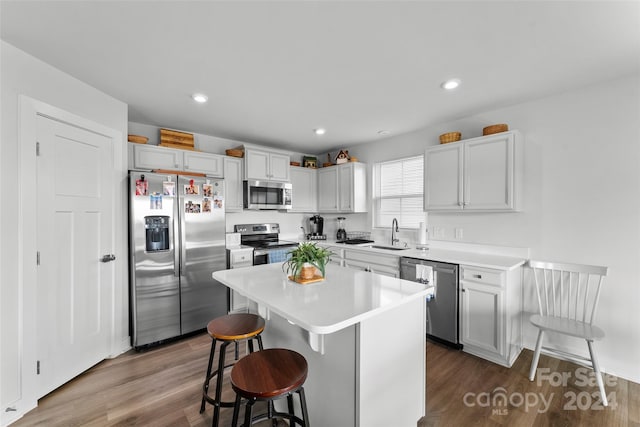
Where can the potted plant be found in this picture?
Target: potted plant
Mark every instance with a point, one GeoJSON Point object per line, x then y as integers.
{"type": "Point", "coordinates": [305, 259]}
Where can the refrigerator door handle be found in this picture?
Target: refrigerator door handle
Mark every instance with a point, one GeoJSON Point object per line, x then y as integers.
{"type": "Point", "coordinates": [183, 239]}
{"type": "Point", "coordinates": [176, 234]}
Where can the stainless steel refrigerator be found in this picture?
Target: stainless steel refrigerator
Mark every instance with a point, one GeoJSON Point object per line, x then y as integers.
{"type": "Point", "coordinates": [177, 239]}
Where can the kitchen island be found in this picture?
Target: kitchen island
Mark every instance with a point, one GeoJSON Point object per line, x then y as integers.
{"type": "Point", "coordinates": [363, 335]}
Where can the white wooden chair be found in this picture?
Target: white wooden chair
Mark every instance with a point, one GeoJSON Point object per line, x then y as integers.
{"type": "Point", "coordinates": [567, 299]}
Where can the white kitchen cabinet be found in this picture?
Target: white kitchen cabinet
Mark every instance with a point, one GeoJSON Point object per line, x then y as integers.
{"type": "Point", "coordinates": [304, 183]}
{"type": "Point", "coordinates": [478, 174]}
{"type": "Point", "coordinates": [343, 188]}
{"type": "Point", "coordinates": [389, 265]}
{"type": "Point", "coordinates": [266, 165]}
{"type": "Point", "coordinates": [490, 313]}
{"type": "Point", "coordinates": [154, 157]}
{"type": "Point", "coordinates": [233, 184]}
{"type": "Point", "coordinates": [337, 256]}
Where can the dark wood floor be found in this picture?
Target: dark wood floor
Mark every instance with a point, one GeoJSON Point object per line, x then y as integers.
{"type": "Point", "coordinates": [162, 386]}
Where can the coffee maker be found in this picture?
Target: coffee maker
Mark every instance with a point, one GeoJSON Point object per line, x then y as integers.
{"type": "Point", "coordinates": [316, 225]}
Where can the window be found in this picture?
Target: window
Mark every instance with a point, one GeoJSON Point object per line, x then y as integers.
{"type": "Point", "coordinates": [398, 192]}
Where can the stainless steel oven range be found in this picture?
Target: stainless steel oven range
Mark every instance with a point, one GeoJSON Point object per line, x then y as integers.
{"type": "Point", "coordinates": [264, 238]}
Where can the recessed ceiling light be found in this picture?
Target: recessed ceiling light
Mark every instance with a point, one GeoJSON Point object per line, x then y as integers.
{"type": "Point", "coordinates": [451, 84]}
{"type": "Point", "coordinates": [384, 132]}
{"type": "Point", "coordinates": [200, 97]}
{"type": "Point", "coordinates": [320, 131]}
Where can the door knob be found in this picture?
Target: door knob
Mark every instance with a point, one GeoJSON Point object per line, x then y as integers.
{"type": "Point", "coordinates": [108, 258]}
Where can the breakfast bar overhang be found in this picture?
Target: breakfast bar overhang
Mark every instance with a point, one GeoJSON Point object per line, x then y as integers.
{"type": "Point", "coordinates": [363, 335]}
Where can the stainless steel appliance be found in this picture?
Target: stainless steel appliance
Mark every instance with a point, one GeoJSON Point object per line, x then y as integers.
{"type": "Point", "coordinates": [177, 239]}
{"type": "Point", "coordinates": [442, 308]}
{"type": "Point", "coordinates": [264, 238]}
{"type": "Point", "coordinates": [316, 225]}
{"type": "Point", "coordinates": [267, 195]}
{"type": "Point", "coordinates": [341, 234]}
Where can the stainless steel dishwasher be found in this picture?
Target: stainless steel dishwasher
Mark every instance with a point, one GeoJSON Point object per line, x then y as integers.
{"type": "Point", "coordinates": [442, 308]}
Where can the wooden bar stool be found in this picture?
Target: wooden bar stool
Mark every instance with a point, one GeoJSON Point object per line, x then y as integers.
{"type": "Point", "coordinates": [266, 376]}
{"type": "Point", "coordinates": [228, 329]}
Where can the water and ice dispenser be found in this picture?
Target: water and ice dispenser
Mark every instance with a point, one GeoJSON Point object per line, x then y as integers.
{"type": "Point", "coordinates": [157, 233]}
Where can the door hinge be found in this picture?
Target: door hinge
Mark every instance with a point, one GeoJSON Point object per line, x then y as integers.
{"type": "Point", "coordinates": [38, 367]}
{"type": "Point", "coordinates": [38, 258]}
{"type": "Point", "coordinates": [37, 148]}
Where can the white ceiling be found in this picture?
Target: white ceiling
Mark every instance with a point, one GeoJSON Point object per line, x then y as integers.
{"type": "Point", "coordinates": [274, 71]}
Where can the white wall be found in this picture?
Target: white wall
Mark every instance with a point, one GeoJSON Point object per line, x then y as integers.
{"type": "Point", "coordinates": [25, 75]}
{"type": "Point", "coordinates": [582, 204]}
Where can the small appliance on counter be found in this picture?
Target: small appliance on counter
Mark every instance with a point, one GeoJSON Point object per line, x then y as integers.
{"type": "Point", "coordinates": [316, 225]}
{"type": "Point", "coordinates": [341, 234]}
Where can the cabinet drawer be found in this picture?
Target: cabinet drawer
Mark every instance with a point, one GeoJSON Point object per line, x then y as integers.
{"type": "Point", "coordinates": [484, 276]}
{"type": "Point", "coordinates": [388, 260]}
{"type": "Point", "coordinates": [241, 258]}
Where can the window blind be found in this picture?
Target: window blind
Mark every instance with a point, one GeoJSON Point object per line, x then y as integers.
{"type": "Point", "coordinates": [398, 192]}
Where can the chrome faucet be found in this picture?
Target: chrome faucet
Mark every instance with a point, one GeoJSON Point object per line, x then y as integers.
{"type": "Point", "coordinates": [394, 230]}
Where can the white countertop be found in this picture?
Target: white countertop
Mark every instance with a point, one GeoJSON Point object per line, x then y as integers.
{"type": "Point", "coordinates": [344, 298]}
{"type": "Point", "coordinates": [464, 257]}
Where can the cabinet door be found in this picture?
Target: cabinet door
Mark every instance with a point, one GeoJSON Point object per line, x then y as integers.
{"type": "Point", "coordinates": [328, 189]}
{"type": "Point", "coordinates": [305, 189]}
{"type": "Point", "coordinates": [345, 188]}
{"type": "Point", "coordinates": [233, 184]}
{"type": "Point", "coordinates": [210, 164]}
{"type": "Point", "coordinates": [481, 316]}
{"type": "Point", "coordinates": [443, 177]}
{"type": "Point", "coordinates": [257, 164]}
{"type": "Point", "coordinates": [279, 167]}
{"type": "Point", "coordinates": [488, 182]}
{"type": "Point", "coordinates": [153, 157]}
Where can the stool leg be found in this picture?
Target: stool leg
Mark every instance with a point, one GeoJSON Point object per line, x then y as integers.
{"type": "Point", "coordinates": [247, 412]}
{"type": "Point", "coordinates": [237, 352]}
{"type": "Point", "coordinates": [205, 387]}
{"type": "Point", "coordinates": [216, 408]}
{"type": "Point", "coordinates": [303, 404]}
{"type": "Point", "coordinates": [236, 411]}
{"type": "Point", "coordinates": [259, 338]}
{"type": "Point", "coordinates": [292, 418]}
{"type": "Point", "coordinates": [250, 344]}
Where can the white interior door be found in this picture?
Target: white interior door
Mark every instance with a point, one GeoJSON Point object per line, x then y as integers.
{"type": "Point", "coordinates": [73, 198]}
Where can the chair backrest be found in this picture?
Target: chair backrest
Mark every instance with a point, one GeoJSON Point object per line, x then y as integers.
{"type": "Point", "coordinates": [569, 291]}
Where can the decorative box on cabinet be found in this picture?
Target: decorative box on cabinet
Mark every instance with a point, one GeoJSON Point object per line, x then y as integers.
{"type": "Point", "coordinates": [491, 313]}
{"type": "Point", "coordinates": [154, 157]}
{"type": "Point", "coordinates": [266, 165]}
{"type": "Point", "coordinates": [343, 188]}
{"type": "Point", "coordinates": [233, 184]}
{"type": "Point", "coordinates": [478, 174]}
{"type": "Point", "coordinates": [304, 195]}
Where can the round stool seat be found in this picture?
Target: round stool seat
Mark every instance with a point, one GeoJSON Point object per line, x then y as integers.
{"type": "Point", "coordinates": [268, 375]}
{"type": "Point", "coordinates": [236, 326]}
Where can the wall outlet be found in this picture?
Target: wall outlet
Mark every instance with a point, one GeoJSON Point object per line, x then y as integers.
{"type": "Point", "coordinates": [458, 233]}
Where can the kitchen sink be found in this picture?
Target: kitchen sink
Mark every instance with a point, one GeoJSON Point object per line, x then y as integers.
{"type": "Point", "coordinates": [391, 248]}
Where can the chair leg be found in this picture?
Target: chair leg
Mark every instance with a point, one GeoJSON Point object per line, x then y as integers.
{"type": "Point", "coordinates": [596, 368]}
{"type": "Point", "coordinates": [536, 356]}
{"type": "Point", "coordinates": [205, 387]}
{"type": "Point", "coordinates": [247, 413]}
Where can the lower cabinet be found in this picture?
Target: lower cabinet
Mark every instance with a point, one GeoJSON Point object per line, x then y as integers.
{"type": "Point", "coordinates": [388, 265]}
{"type": "Point", "coordinates": [490, 313]}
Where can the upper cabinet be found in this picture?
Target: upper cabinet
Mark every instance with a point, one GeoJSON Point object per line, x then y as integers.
{"type": "Point", "coordinates": [266, 165]}
{"type": "Point", "coordinates": [304, 182]}
{"type": "Point", "coordinates": [154, 157]}
{"type": "Point", "coordinates": [342, 188]}
{"type": "Point", "coordinates": [233, 184]}
{"type": "Point", "coordinates": [479, 174]}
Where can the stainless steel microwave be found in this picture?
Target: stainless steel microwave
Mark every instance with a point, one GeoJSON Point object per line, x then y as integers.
{"type": "Point", "coordinates": [267, 195]}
